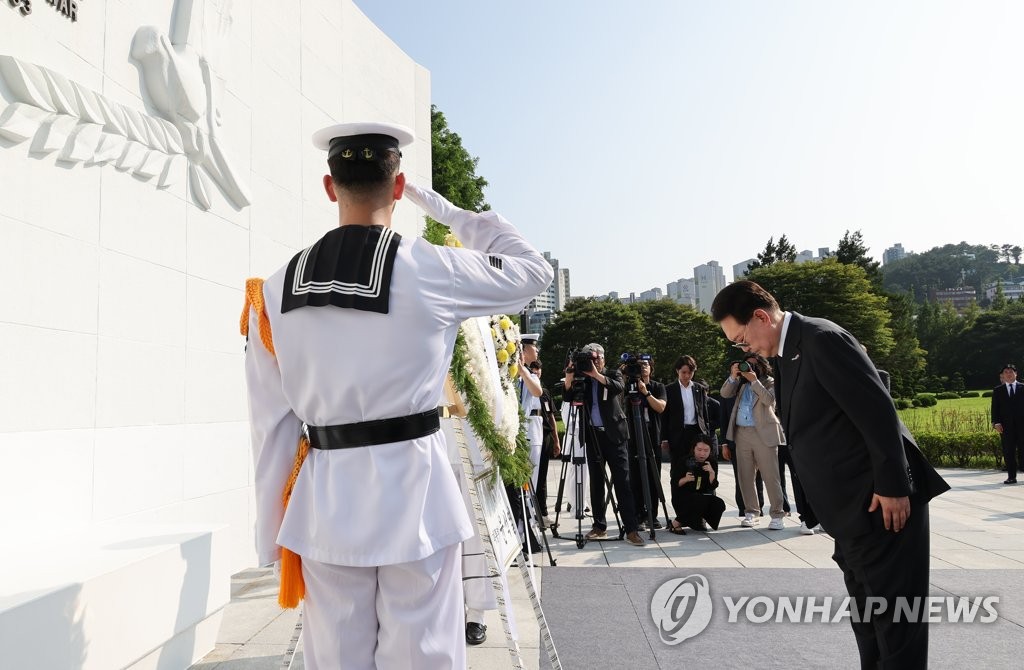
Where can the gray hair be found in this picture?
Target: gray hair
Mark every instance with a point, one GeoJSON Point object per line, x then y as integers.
{"type": "Point", "coordinates": [595, 348]}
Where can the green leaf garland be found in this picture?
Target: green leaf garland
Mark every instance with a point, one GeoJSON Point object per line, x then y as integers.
{"type": "Point", "coordinates": [514, 465]}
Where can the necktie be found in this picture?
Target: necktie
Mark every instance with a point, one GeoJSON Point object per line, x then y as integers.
{"type": "Point", "coordinates": [1009, 387]}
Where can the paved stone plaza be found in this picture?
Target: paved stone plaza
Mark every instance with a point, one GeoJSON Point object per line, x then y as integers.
{"type": "Point", "coordinates": [978, 526]}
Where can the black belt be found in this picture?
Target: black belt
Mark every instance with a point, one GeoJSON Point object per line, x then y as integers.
{"type": "Point", "coordinates": [691, 425]}
{"type": "Point", "coordinates": [369, 433]}
{"type": "Point", "coordinates": [534, 412]}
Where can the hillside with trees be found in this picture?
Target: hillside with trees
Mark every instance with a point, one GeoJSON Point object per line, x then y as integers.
{"type": "Point", "coordinates": [951, 266]}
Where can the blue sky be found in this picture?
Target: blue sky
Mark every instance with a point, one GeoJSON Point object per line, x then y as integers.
{"type": "Point", "coordinates": [635, 140]}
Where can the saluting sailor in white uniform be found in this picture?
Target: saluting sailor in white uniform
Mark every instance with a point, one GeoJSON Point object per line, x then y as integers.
{"type": "Point", "coordinates": [363, 326]}
{"type": "Point", "coordinates": [529, 397]}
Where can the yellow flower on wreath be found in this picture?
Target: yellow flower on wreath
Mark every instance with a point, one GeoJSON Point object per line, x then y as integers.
{"type": "Point", "coordinates": [502, 356]}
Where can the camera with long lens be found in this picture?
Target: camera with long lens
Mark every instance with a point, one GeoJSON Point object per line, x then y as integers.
{"type": "Point", "coordinates": [743, 366]}
{"type": "Point", "coordinates": [631, 363]}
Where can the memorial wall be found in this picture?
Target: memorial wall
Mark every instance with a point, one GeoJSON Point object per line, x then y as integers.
{"type": "Point", "coordinates": [153, 155]}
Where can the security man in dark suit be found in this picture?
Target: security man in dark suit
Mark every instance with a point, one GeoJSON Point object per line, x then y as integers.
{"type": "Point", "coordinates": [606, 437]}
{"type": "Point", "coordinates": [1008, 420]}
{"type": "Point", "coordinates": [863, 474]}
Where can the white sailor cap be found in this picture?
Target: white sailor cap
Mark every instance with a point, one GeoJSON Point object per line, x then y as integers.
{"type": "Point", "coordinates": [362, 139]}
{"type": "Point", "coordinates": [529, 338]}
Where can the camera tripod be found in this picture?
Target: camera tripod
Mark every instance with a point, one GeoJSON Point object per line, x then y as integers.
{"type": "Point", "coordinates": [531, 520]}
{"type": "Point", "coordinates": [574, 452]}
{"type": "Point", "coordinates": [645, 456]}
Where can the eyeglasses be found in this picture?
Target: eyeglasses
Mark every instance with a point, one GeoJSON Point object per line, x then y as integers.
{"type": "Point", "coordinates": [741, 342]}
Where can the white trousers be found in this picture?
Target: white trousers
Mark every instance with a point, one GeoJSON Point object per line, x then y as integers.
{"type": "Point", "coordinates": [407, 615]}
{"type": "Point", "coordinates": [535, 440]}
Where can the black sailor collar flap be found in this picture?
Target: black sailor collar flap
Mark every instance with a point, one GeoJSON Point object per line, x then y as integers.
{"type": "Point", "coordinates": [349, 267]}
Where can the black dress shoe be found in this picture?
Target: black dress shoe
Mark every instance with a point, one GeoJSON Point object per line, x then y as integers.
{"type": "Point", "coordinates": [476, 633]}
{"type": "Point", "coordinates": [1010, 481]}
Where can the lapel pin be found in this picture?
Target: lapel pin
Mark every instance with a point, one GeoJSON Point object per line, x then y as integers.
{"type": "Point", "coordinates": [795, 357]}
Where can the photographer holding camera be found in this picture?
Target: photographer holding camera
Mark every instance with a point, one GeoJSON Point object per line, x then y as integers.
{"type": "Point", "coordinates": [601, 394]}
{"type": "Point", "coordinates": [651, 394]}
{"type": "Point", "coordinates": [695, 494]}
{"type": "Point", "coordinates": [756, 430]}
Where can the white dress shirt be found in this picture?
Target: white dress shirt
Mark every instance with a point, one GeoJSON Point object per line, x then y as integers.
{"type": "Point", "coordinates": [689, 407]}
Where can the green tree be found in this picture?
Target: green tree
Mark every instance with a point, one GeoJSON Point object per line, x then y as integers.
{"type": "Point", "coordinates": [940, 330]}
{"type": "Point", "coordinates": [999, 299]}
{"type": "Point", "coordinates": [781, 252]}
{"type": "Point", "coordinates": [671, 330]}
{"type": "Point", "coordinates": [611, 324]}
{"type": "Point", "coordinates": [453, 173]}
{"type": "Point", "coordinates": [453, 169]}
{"type": "Point", "coordinates": [990, 342]}
{"type": "Point", "coordinates": [906, 361]}
{"type": "Point", "coordinates": [832, 290]}
{"type": "Point", "coordinates": [853, 251]}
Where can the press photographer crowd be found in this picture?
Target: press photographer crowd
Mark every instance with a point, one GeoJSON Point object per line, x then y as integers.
{"type": "Point", "coordinates": [628, 425]}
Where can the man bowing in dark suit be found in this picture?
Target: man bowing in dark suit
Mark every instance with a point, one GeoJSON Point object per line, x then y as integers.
{"type": "Point", "coordinates": [1008, 420]}
{"type": "Point", "coordinates": [861, 470]}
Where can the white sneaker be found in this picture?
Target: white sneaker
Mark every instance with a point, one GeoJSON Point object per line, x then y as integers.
{"type": "Point", "coordinates": [776, 524]}
{"type": "Point", "coordinates": [749, 520]}
{"type": "Point", "coordinates": [804, 530]}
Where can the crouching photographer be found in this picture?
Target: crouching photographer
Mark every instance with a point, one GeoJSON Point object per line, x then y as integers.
{"type": "Point", "coordinates": [695, 494]}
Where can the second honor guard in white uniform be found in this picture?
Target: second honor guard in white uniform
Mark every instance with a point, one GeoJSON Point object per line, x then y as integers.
{"type": "Point", "coordinates": [529, 397]}
{"type": "Point", "coordinates": [363, 324]}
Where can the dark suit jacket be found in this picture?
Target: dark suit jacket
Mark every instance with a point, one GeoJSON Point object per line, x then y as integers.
{"type": "Point", "coordinates": [609, 404]}
{"type": "Point", "coordinates": [672, 417]}
{"type": "Point", "coordinates": [1008, 411]}
{"type": "Point", "coordinates": [847, 441]}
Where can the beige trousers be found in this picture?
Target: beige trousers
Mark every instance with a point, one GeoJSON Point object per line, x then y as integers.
{"type": "Point", "coordinates": [754, 455]}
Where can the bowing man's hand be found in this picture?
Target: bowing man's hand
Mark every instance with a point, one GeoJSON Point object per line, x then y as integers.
{"type": "Point", "coordinates": [895, 511]}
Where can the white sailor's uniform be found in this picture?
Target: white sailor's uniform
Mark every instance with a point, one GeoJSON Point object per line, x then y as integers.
{"type": "Point", "coordinates": [378, 527]}
{"type": "Point", "coordinates": [534, 424]}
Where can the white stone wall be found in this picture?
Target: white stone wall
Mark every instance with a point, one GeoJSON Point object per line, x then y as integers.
{"type": "Point", "coordinates": [120, 359]}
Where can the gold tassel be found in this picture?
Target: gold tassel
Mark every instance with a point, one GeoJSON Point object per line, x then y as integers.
{"type": "Point", "coordinates": [254, 299]}
{"type": "Point", "coordinates": [293, 588]}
